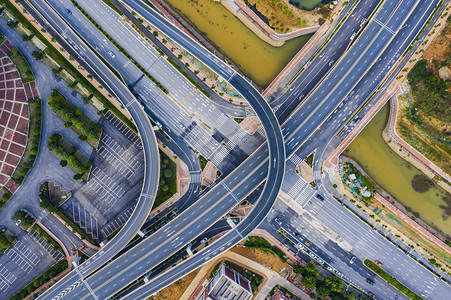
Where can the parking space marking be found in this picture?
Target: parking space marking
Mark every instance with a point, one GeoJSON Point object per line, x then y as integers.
{"type": "Point", "coordinates": [18, 260]}
{"type": "Point", "coordinates": [116, 223]}
{"type": "Point", "coordinates": [3, 285]}
{"type": "Point", "coordinates": [6, 274]}
{"type": "Point", "coordinates": [57, 255]}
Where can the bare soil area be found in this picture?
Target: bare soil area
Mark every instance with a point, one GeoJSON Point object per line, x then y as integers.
{"type": "Point", "coordinates": [175, 290]}
{"type": "Point", "coordinates": [266, 259]}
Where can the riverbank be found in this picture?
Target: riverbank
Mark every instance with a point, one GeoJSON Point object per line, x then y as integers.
{"type": "Point", "coordinates": [232, 41]}
{"type": "Point", "coordinates": [398, 222]}
{"type": "Point", "coordinates": [255, 21]}
{"type": "Point", "coordinates": [410, 154]}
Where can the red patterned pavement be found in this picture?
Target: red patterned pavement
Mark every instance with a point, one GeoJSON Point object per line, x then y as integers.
{"type": "Point", "coordinates": [13, 116]}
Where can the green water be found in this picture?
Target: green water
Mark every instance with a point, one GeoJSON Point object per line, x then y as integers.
{"type": "Point", "coordinates": [258, 60]}
{"type": "Point", "coordinates": [305, 4]}
{"type": "Point", "coordinates": [395, 175]}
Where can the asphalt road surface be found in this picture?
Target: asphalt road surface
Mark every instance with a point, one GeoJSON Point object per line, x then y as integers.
{"type": "Point", "coordinates": [150, 148]}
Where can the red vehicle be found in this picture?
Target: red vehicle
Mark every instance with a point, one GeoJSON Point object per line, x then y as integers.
{"type": "Point", "coordinates": [371, 295]}
{"type": "Point", "coordinates": [378, 263]}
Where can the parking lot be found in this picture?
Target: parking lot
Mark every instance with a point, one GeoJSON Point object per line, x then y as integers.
{"type": "Point", "coordinates": [106, 201]}
{"type": "Point", "coordinates": [24, 261]}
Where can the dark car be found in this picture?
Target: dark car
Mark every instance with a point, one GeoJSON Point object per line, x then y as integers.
{"type": "Point", "coordinates": [370, 281]}
{"type": "Point", "coordinates": [320, 197]}
{"type": "Point", "coordinates": [371, 295]}
{"type": "Point", "coordinates": [68, 11]}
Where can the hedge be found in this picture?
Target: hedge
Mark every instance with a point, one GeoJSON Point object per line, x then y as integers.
{"type": "Point", "coordinates": [40, 280]}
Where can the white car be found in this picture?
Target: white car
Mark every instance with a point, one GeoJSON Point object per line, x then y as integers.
{"type": "Point", "coordinates": [112, 54]}
{"type": "Point", "coordinates": [204, 240]}
{"type": "Point", "coordinates": [278, 221]}
{"type": "Point", "coordinates": [18, 222]}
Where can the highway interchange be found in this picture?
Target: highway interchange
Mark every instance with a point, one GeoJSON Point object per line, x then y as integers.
{"type": "Point", "coordinates": [373, 41]}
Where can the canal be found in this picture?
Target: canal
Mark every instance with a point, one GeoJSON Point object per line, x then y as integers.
{"type": "Point", "coordinates": [402, 180]}
{"type": "Point", "coordinates": [258, 60]}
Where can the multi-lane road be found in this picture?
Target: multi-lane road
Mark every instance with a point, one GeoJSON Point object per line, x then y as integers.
{"type": "Point", "coordinates": [304, 121]}
{"type": "Point", "coordinates": [150, 148]}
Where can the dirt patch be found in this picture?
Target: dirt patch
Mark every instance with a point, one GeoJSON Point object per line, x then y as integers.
{"type": "Point", "coordinates": [266, 259]}
{"type": "Point", "coordinates": [440, 49]}
{"type": "Point", "coordinates": [175, 290]}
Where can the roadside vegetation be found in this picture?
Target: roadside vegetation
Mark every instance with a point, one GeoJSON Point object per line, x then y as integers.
{"type": "Point", "coordinates": [262, 244]}
{"type": "Point", "coordinates": [168, 179]}
{"type": "Point", "coordinates": [7, 240]}
{"type": "Point", "coordinates": [387, 277]}
{"type": "Point", "coordinates": [32, 147]}
{"type": "Point", "coordinates": [52, 56]}
{"type": "Point", "coordinates": [21, 64]}
{"type": "Point", "coordinates": [26, 220]}
{"type": "Point", "coordinates": [69, 156]}
{"type": "Point", "coordinates": [50, 274]}
{"type": "Point", "coordinates": [48, 205]}
{"type": "Point", "coordinates": [75, 119]}
{"type": "Point", "coordinates": [5, 195]}
{"type": "Point", "coordinates": [203, 162]}
{"type": "Point", "coordinates": [188, 77]}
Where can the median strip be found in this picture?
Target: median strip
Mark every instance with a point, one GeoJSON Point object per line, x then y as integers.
{"type": "Point", "coordinates": [390, 279]}
{"type": "Point", "coordinates": [156, 82]}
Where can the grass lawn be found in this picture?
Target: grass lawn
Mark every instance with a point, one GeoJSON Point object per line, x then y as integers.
{"type": "Point", "coordinates": [31, 149]}
{"type": "Point", "coordinates": [2, 38]}
{"type": "Point", "coordinates": [21, 65]}
{"type": "Point", "coordinates": [203, 162]}
{"type": "Point", "coordinates": [168, 179]}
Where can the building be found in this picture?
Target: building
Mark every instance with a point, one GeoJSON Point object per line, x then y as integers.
{"type": "Point", "coordinates": [227, 285]}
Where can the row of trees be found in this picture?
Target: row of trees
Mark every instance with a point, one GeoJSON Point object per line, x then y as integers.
{"type": "Point", "coordinates": [329, 287]}
{"type": "Point", "coordinates": [33, 140]}
{"type": "Point", "coordinates": [67, 156]}
{"type": "Point", "coordinates": [74, 116]}
{"type": "Point", "coordinates": [42, 279]}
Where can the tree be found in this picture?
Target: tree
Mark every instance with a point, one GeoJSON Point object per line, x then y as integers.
{"type": "Point", "coordinates": [38, 55]}
{"type": "Point", "coordinates": [297, 269]}
{"type": "Point", "coordinates": [63, 163]}
{"type": "Point", "coordinates": [309, 281]}
{"type": "Point", "coordinates": [323, 290]}
{"type": "Point", "coordinates": [310, 267]}
{"type": "Point", "coordinates": [334, 283]}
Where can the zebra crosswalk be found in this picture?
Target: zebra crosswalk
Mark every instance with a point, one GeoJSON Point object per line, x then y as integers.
{"type": "Point", "coordinates": [301, 192]}
{"type": "Point", "coordinates": [296, 160]}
